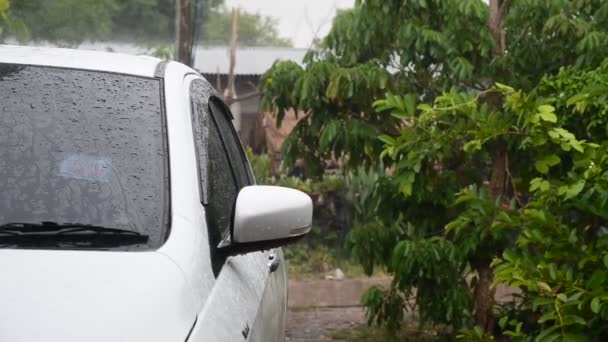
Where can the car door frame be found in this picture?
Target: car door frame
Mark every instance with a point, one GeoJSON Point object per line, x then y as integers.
{"type": "Point", "coordinates": [234, 307]}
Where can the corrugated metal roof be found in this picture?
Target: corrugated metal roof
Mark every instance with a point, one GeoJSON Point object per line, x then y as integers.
{"type": "Point", "coordinates": [249, 60]}
{"type": "Point", "coordinates": [210, 60]}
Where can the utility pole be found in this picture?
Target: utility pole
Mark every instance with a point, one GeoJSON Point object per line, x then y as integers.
{"type": "Point", "coordinates": [183, 31]}
{"type": "Point", "coordinates": [230, 95]}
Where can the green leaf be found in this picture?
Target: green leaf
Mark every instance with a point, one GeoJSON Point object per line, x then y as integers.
{"type": "Point", "coordinates": [552, 272]}
{"type": "Point", "coordinates": [409, 102]}
{"type": "Point", "coordinates": [546, 109]}
{"type": "Point", "coordinates": [545, 185]}
{"type": "Point", "coordinates": [380, 105]}
{"type": "Point", "coordinates": [552, 160]}
{"type": "Point", "coordinates": [574, 319]}
{"type": "Point", "coordinates": [425, 107]}
{"type": "Point", "coordinates": [548, 335]}
{"type": "Point", "coordinates": [541, 301]}
{"type": "Point", "coordinates": [502, 323]}
{"type": "Point", "coordinates": [606, 260]}
{"type": "Point", "coordinates": [504, 88]}
{"type": "Point", "coordinates": [577, 145]}
{"type": "Point", "coordinates": [539, 184]}
{"type": "Point", "coordinates": [553, 134]}
{"type": "Point", "coordinates": [571, 337]}
{"type": "Point", "coordinates": [596, 305]}
{"type": "Point", "coordinates": [406, 188]}
{"type": "Point", "coordinates": [549, 316]}
{"type": "Point", "coordinates": [548, 116]}
{"type": "Point", "coordinates": [544, 164]}
{"type": "Point", "coordinates": [575, 189]}
{"type": "Point", "coordinates": [473, 145]}
{"type": "Point", "coordinates": [541, 166]}
{"type": "Point", "coordinates": [388, 140]}
{"type": "Point", "coordinates": [544, 286]}
{"type": "Point", "coordinates": [577, 98]}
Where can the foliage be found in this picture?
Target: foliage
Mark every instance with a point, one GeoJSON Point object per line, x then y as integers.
{"type": "Point", "coordinates": [70, 22]}
{"type": "Point", "coordinates": [423, 48]}
{"type": "Point", "coordinates": [557, 226]}
{"type": "Point", "coordinates": [418, 86]}
{"type": "Point", "coordinates": [254, 29]}
{"type": "Point", "coordinates": [260, 165]}
{"type": "Point", "coordinates": [318, 255]}
{"type": "Point", "coordinates": [4, 7]}
{"type": "Point", "coordinates": [147, 20]}
{"type": "Point", "coordinates": [66, 21]}
{"type": "Point", "coordinates": [560, 255]}
{"type": "Point", "coordinates": [325, 88]}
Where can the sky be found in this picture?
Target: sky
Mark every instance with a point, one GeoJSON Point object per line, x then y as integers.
{"type": "Point", "coordinates": [299, 20]}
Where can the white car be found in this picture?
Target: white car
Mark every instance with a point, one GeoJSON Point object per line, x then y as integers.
{"type": "Point", "coordinates": [128, 210]}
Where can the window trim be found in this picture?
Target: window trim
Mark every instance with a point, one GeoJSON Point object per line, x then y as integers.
{"type": "Point", "coordinates": [226, 112]}
{"type": "Point", "coordinates": [168, 208]}
{"type": "Point", "coordinates": [202, 183]}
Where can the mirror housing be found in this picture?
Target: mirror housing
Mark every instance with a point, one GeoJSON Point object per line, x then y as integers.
{"type": "Point", "coordinates": [270, 216]}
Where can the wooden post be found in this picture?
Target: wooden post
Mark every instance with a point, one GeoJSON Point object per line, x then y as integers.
{"type": "Point", "coordinates": [183, 31]}
{"type": "Point", "coordinates": [230, 93]}
{"type": "Point", "coordinates": [230, 96]}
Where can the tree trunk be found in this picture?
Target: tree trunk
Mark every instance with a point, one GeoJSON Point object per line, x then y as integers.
{"type": "Point", "coordinates": [484, 294]}
{"type": "Point", "coordinates": [484, 297]}
{"type": "Point", "coordinates": [498, 11]}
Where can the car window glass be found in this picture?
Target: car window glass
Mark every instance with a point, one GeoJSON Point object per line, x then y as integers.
{"type": "Point", "coordinates": [83, 147]}
{"type": "Point", "coordinates": [223, 188]}
{"type": "Point", "coordinates": [233, 145]}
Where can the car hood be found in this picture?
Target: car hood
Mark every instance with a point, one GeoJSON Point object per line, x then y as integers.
{"type": "Point", "coordinates": [93, 296]}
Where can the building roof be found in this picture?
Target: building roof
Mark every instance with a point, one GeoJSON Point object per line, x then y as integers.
{"type": "Point", "coordinates": [207, 60]}
{"type": "Point", "coordinates": [249, 60]}
{"type": "Point", "coordinates": [211, 60]}
{"type": "Point", "coordinates": [79, 59]}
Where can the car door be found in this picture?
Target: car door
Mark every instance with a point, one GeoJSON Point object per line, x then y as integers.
{"type": "Point", "coordinates": [270, 318]}
{"type": "Point", "coordinates": [244, 293]}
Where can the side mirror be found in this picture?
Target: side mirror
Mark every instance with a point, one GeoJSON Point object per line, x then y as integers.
{"type": "Point", "coordinates": [270, 216]}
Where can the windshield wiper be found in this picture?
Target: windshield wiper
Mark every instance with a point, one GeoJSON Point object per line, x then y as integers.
{"type": "Point", "coordinates": [30, 233]}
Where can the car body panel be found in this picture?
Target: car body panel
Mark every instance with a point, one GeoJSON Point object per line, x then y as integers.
{"type": "Point", "coordinates": [93, 296]}
{"type": "Point", "coordinates": [188, 243]}
{"type": "Point", "coordinates": [80, 59]}
{"type": "Point", "coordinates": [271, 319]}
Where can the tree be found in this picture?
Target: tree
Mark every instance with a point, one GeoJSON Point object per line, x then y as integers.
{"type": "Point", "coordinates": [10, 26]}
{"type": "Point", "coordinates": [70, 22]}
{"type": "Point", "coordinates": [66, 21]}
{"type": "Point", "coordinates": [144, 20]}
{"type": "Point", "coordinates": [4, 6]}
{"type": "Point", "coordinates": [151, 20]}
{"type": "Point", "coordinates": [450, 137]}
{"type": "Point", "coordinates": [254, 29]}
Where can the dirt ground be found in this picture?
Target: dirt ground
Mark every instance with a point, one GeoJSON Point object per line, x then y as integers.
{"type": "Point", "coordinates": [317, 308]}
{"type": "Point", "coordinates": [317, 324]}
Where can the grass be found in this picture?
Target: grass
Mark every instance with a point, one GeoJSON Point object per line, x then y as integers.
{"type": "Point", "coordinates": [410, 332]}
{"type": "Point", "coordinates": [319, 254]}
{"type": "Point", "coordinates": [307, 263]}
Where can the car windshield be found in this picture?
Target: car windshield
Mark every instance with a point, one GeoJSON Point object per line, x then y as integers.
{"type": "Point", "coordinates": [83, 147]}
